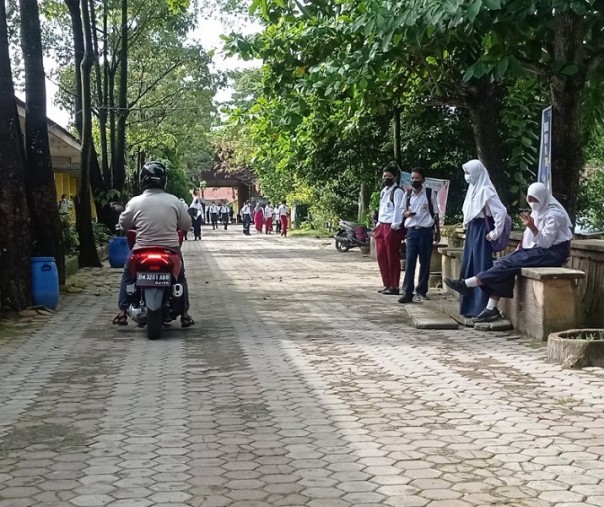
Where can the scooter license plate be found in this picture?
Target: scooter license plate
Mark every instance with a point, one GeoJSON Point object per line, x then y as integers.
{"type": "Point", "coordinates": [153, 279]}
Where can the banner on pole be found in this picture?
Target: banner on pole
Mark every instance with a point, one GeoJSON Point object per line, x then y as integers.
{"type": "Point", "coordinates": [544, 174]}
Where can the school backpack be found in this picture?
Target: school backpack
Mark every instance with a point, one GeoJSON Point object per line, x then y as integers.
{"type": "Point", "coordinates": [500, 244]}
{"type": "Point", "coordinates": [408, 199]}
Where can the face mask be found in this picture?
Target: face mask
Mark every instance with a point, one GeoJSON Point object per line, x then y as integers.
{"type": "Point", "coordinates": [469, 179]}
{"type": "Point", "coordinates": [416, 184]}
{"type": "Point", "coordinates": [388, 182]}
{"type": "Point", "coordinates": [535, 206]}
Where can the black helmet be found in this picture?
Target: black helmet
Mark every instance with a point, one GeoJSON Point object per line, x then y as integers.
{"type": "Point", "coordinates": [153, 175]}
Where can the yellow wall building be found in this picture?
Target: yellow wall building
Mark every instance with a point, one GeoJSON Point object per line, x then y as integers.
{"type": "Point", "coordinates": [65, 151]}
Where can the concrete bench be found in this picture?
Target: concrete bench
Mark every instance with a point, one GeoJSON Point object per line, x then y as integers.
{"type": "Point", "coordinates": [450, 264]}
{"type": "Point", "coordinates": [544, 302]}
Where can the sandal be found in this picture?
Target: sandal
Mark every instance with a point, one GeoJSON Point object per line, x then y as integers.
{"type": "Point", "coordinates": [120, 320]}
{"type": "Point", "coordinates": [187, 321]}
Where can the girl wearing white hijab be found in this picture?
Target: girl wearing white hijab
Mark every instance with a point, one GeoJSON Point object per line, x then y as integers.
{"type": "Point", "coordinates": [483, 218]}
{"type": "Point", "coordinates": [546, 243]}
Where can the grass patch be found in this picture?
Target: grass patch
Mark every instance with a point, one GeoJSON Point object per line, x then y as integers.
{"type": "Point", "coordinates": [309, 233]}
{"type": "Point", "coordinates": [590, 335]}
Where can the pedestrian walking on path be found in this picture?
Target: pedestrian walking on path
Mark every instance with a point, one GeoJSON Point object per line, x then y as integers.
{"type": "Point", "coordinates": [389, 232]}
{"type": "Point", "coordinates": [258, 217]}
{"type": "Point", "coordinates": [545, 243]}
{"type": "Point", "coordinates": [246, 218]}
{"type": "Point", "coordinates": [224, 214]}
{"type": "Point", "coordinates": [268, 221]}
{"type": "Point", "coordinates": [483, 218]}
{"type": "Point", "coordinates": [196, 212]}
{"type": "Point", "coordinates": [283, 217]}
{"type": "Point", "coordinates": [423, 230]}
{"type": "Point", "coordinates": [214, 210]}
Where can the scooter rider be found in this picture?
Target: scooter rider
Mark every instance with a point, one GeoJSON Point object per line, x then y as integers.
{"type": "Point", "coordinates": [157, 216]}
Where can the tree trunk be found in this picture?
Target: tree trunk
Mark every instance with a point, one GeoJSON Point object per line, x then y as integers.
{"type": "Point", "coordinates": [396, 117]}
{"type": "Point", "coordinates": [88, 254]}
{"type": "Point", "coordinates": [40, 183]}
{"type": "Point", "coordinates": [483, 105]}
{"type": "Point", "coordinates": [119, 158]}
{"type": "Point", "coordinates": [566, 93]}
{"type": "Point", "coordinates": [362, 201]}
{"type": "Point", "coordinates": [96, 180]}
{"type": "Point", "coordinates": [101, 97]}
{"type": "Point", "coordinates": [15, 239]}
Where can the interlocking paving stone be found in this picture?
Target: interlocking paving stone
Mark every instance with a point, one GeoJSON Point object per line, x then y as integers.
{"type": "Point", "coordinates": [299, 386]}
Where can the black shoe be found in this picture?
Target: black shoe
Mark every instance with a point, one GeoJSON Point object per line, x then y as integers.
{"type": "Point", "coordinates": [423, 297]}
{"type": "Point", "coordinates": [381, 291]}
{"type": "Point", "coordinates": [487, 316]}
{"type": "Point", "coordinates": [407, 298]}
{"type": "Point", "coordinates": [458, 286]}
{"type": "Point", "coordinates": [392, 291]}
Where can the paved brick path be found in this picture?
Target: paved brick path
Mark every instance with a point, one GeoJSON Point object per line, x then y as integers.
{"type": "Point", "coordinates": [299, 386]}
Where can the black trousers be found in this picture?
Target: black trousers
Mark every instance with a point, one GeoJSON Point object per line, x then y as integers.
{"type": "Point", "coordinates": [214, 217]}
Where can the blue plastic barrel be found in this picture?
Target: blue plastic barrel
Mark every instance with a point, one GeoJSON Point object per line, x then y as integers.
{"type": "Point", "coordinates": [45, 281]}
{"type": "Point", "coordinates": [118, 251]}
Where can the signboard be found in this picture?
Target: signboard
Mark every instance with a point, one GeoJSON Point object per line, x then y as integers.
{"type": "Point", "coordinates": [545, 169]}
{"type": "Point", "coordinates": [439, 186]}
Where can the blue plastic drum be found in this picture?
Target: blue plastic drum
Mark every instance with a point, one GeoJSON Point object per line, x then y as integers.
{"type": "Point", "coordinates": [45, 281]}
{"type": "Point", "coordinates": [118, 251]}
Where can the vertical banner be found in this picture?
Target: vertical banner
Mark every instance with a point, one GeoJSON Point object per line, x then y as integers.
{"type": "Point", "coordinates": [439, 186]}
{"type": "Point", "coordinates": [545, 169]}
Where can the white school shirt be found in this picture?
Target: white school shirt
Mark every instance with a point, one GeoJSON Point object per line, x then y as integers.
{"type": "Point", "coordinates": [283, 210]}
{"type": "Point", "coordinates": [553, 230]}
{"type": "Point", "coordinates": [389, 212]}
{"type": "Point", "coordinates": [245, 210]}
{"type": "Point", "coordinates": [494, 208]}
{"type": "Point", "coordinates": [419, 204]}
{"type": "Point", "coordinates": [268, 212]}
{"type": "Point", "coordinates": [214, 208]}
{"type": "Point", "coordinates": [224, 209]}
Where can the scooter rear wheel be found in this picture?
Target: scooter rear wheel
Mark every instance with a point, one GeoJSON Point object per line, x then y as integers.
{"type": "Point", "coordinates": [341, 247]}
{"type": "Point", "coordinates": [154, 324]}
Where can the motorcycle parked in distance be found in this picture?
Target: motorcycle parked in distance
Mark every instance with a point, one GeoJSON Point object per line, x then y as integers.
{"type": "Point", "coordinates": [157, 297]}
{"type": "Point", "coordinates": [351, 235]}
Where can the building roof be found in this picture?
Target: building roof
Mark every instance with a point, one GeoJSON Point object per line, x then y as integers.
{"type": "Point", "coordinates": [65, 149]}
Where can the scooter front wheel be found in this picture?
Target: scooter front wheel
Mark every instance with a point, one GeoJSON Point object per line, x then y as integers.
{"type": "Point", "coordinates": [154, 324]}
{"type": "Point", "coordinates": [341, 247]}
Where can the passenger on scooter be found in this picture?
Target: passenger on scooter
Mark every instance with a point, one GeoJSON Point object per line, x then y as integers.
{"type": "Point", "coordinates": [157, 216]}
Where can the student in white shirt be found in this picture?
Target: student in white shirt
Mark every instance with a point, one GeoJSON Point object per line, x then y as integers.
{"type": "Point", "coordinates": [268, 223]}
{"type": "Point", "coordinates": [283, 217]}
{"type": "Point", "coordinates": [224, 215]}
{"type": "Point", "coordinates": [483, 219]}
{"type": "Point", "coordinates": [423, 230]}
{"type": "Point", "coordinates": [214, 210]}
{"type": "Point", "coordinates": [389, 232]}
{"type": "Point", "coordinates": [246, 218]}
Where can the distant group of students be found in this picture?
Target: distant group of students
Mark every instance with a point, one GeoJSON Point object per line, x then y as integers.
{"type": "Point", "coordinates": [264, 216]}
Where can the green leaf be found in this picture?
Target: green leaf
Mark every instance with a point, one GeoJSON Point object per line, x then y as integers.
{"type": "Point", "coordinates": [473, 10]}
{"type": "Point", "coordinates": [569, 70]}
{"type": "Point", "coordinates": [493, 4]}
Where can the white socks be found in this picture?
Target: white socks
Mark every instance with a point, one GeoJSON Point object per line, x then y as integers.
{"type": "Point", "coordinates": [492, 304]}
{"type": "Point", "coordinates": [471, 282]}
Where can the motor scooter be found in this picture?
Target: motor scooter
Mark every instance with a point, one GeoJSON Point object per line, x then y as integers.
{"type": "Point", "coordinates": [351, 235]}
{"type": "Point", "coordinates": [157, 297]}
